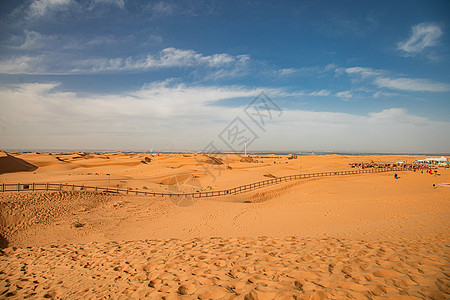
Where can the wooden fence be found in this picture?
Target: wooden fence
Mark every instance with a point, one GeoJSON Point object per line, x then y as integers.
{"type": "Point", "coordinates": [31, 187]}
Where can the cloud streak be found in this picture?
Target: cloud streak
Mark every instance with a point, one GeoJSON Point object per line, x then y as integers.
{"type": "Point", "coordinates": [167, 58]}
{"type": "Point", "coordinates": [344, 95]}
{"type": "Point", "coordinates": [424, 35]}
{"type": "Point", "coordinates": [380, 79]}
{"type": "Point", "coordinates": [411, 84]}
{"type": "Point", "coordinates": [364, 72]}
{"type": "Point", "coordinates": [100, 3]}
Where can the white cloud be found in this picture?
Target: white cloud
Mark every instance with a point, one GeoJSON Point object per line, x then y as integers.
{"type": "Point", "coordinates": [35, 41]}
{"type": "Point", "coordinates": [379, 78]}
{"type": "Point", "coordinates": [238, 69]}
{"type": "Point", "coordinates": [58, 45]}
{"type": "Point", "coordinates": [23, 65]}
{"type": "Point", "coordinates": [317, 93]}
{"type": "Point", "coordinates": [167, 58]}
{"type": "Point", "coordinates": [411, 84]}
{"type": "Point", "coordinates": [344, 95]}
{"type": "Point", "coordinates": [287, 71]}
{"type": "Point", "coordinates": [172, 57]}
{"type": "Point", "coordinates": [381, 94]}
{"type": "Point", "coordinates": [307, 70]}
{"type": "Point", "coordinates": [320, 93]}
{"type": "Point", "coordinates": [389, 130]}
{"type": "Point", "coordinates": [162, 8]}
{"type": "Point", "coordinates": [154, 112]}
{"type": "Point", "coordinates": [172, 116]}
{"type": "Point", "coordinates": [40, 8]}
{"type": "Point", "coordinates": [37, 88]}
{"type": "Point", "coordinates": [423, 35]}
{"type": "Point", "coordinates": [330, 67]}
{"type": "Point", "coordinates": [97, 3]}
{"type": "Point", "coordinates": [155, 100]}
{"type": "Point", "coordinates": [364, 72]}
{"type": "Point", "coordinates": [391, 115]}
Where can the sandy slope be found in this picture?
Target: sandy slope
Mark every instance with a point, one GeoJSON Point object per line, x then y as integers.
{"type": "Point", "coordinates": [221, 268]}
{"type": "Point", "coordinates": [362, 237]}
{"type": "Point", "coordinates": [11, 164]}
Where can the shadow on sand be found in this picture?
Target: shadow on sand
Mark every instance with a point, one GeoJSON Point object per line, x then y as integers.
{"type": "Point", "coordinates": [3, 242]}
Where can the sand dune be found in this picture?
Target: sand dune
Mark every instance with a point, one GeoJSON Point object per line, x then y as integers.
{"type": "Point", "coordinates": [351, 237]}
{"type": "Point", "coordinates": [128, 171]}
{"type": "Point", "coordinates": [11, 164]}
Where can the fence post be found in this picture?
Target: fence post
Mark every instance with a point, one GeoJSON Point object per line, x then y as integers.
{"type": "Point", "coordinates": [3, 187]}
{"type": "Point", "coordinates": [46, 187]}
{"type": "Point", "coordinates": [18, 187]}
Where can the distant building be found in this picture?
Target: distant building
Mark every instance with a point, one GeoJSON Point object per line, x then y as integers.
{"type": "Point", "coordinates": [441, 161]}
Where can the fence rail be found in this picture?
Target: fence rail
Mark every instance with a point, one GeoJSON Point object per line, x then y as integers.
{"type": "Point", "coordinates": [31, 187]}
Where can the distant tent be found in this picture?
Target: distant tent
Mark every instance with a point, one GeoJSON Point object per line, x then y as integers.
{"type": "Point", "coordinates": [433, 160]}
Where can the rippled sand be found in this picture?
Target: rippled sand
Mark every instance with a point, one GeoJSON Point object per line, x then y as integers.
{"type": "Point", "coordinates": [235, 268]}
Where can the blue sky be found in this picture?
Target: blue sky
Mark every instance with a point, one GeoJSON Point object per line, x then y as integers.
{"type": "Point", "coordinates": [172, 75]}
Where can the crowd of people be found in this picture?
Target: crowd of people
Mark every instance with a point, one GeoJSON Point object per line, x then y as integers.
{"type": "Point", "coordinates": [410, 166]}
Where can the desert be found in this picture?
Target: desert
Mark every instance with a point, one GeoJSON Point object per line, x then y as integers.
{"type": "Point", "coordinates": [204, 149]}
{"type": "Point", "coordinates": [363, 236]}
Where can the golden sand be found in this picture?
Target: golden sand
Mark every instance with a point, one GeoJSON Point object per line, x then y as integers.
{"type": "Point", "coordinates": [359, 237]}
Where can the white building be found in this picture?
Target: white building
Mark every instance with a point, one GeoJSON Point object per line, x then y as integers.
{"type": "Point", "coordinates": [434, 160]}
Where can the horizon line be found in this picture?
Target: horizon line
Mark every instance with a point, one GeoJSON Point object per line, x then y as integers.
{"type": "Point", "coordinates": [281, 152]}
